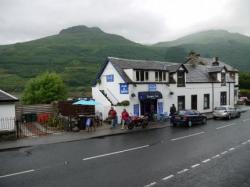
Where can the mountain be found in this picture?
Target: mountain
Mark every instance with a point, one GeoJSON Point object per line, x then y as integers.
{"type": "Point", "coordinates": [233, 48]}
{"type": "Point", "coordinates": [76, 53]}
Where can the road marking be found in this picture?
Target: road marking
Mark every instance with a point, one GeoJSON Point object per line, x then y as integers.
{"type": "Point", "coordinates": [187, 136]}
{"type": "Point", "coordinates": [18, 173]}
{"type": "Point", "coordinates": [117, 152]}
{"type": "Point", "coordinates": [182, 171]}
{"type": "Point", "coordinates": [216, 156]}
{"type": "Point", "coordinates": [168, 177]}
{"type": "Point", "coordinates": [195, 165]}
{"type": "Point", "coordinates": [225, 152]}
{"type": "Point", "coordinates": [245, 120]}
{"type": "Point", "coordinates": [207, 160]}
{"type": "Point", "coordinates": [243, 143]}
{"type": "Point", "coordinates": [221, 127]}
{"type": "Point", "coordinates": [231, 149]}
{"type": "Point", "coordinates": [151, 184]}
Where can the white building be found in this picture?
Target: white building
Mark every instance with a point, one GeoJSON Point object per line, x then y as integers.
{"type": "Point", "coordinates": [7, 111]}
{"type": "Point", "coordinates": [153, 86]}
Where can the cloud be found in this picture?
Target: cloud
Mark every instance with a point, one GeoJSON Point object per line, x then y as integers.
{"type": "Point", "coordinates": [144, 21]}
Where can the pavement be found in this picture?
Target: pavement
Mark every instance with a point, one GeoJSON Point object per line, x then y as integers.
{"type": "Point", "coordinates": [100, 132]}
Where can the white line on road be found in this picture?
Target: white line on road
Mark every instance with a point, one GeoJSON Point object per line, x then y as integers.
{"type": "Point", "coordinates": [225, 152]}
{"type": "Point", "coordinates": [117, 152]}
{"type": "Point", "coordinates": [231, 149]}
{"type": "Point", "coordinates": [245, 120]}
{"type": "Point", "coordinates": [216, 156]}
{"type": "Point", "coordinates": [187, 136]}
{"type": "Point", "coordinates": [18, 173]}
{"type": "Point", "coordinates": [195, 165]}
{"type": "Point", "coordinates": [182, 171]}
{"type": "Point", "coordinates": [168, 177]}
{"type": "Point", "coordinates": [205, 161]}
{"type": "Point", "coordinates": [221, 127]}
{"type": "Point", "coordinates": [151, 184]}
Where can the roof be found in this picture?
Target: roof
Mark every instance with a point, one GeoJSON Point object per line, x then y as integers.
{"type": "Point", "coordinates": [198, 72]}
{"type": "Point", "coordinates": [6, 97]}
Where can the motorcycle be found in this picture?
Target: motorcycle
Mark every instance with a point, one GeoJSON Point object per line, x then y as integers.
{"type": "Point", "coordinates": [137, 121]}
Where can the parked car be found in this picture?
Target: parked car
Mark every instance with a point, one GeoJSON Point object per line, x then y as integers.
{"type": "Point", "coordinates": [188, 118]}
{"type": "Point", "coordinates": [226, 112]}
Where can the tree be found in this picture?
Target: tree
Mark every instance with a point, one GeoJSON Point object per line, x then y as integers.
{"type": "Point", "coordinates": [44, 89]}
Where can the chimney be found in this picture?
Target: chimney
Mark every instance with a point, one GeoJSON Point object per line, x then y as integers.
{"type": "Point", "coordinates": [216, 61]}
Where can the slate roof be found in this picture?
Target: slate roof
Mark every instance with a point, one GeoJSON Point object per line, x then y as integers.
{"type": "Point", "coordinates": [198, 73]}
{"type": "Point", "coordinates": [5, 97]}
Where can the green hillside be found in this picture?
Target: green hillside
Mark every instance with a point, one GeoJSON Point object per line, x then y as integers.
{"type": "Point", "coordinates": [232, 48]}
{"type": "Point", "coordinates": [75, 53]}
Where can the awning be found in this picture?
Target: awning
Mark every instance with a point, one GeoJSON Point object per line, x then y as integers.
{"type": "Point", "coordinates": [149, 95]}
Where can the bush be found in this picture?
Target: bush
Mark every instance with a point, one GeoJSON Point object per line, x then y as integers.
{"type": "Point", "coordinates": [123, 103]}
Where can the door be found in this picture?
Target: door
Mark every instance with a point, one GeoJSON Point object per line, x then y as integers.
{"type": "Point", "coordinates": [181, 102]}
{"type": "Point", "coordinates": [194, 102]}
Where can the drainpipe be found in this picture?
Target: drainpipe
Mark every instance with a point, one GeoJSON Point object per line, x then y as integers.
{"type": "Point", "coordinates": [229, 94]}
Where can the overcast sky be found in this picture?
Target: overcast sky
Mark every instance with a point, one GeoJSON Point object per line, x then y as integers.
{"type": "Point", "coordinates": [144, 21]}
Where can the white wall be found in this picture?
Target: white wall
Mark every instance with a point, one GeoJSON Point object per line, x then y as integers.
{"type": "Point", "coordinates": [7, 117]}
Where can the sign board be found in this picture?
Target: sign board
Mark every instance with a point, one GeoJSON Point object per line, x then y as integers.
{"type": "Point", "coordinates": [152, 87]}
{"type": "Point", "coordinates": [110, 78]}
{"type": "Point", "coordinates": [136, 109]}
{"type": "Point", "coordinates": [123, 88]}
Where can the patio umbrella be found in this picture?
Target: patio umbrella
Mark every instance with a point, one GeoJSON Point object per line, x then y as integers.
{"type": "Point", "coordinates": [86, 102]}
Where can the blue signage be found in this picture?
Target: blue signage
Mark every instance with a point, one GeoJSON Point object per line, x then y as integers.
{"type": "Point", "coordinates": [110, 78]}
{"type": "Point", "coordinates": [152, 87]}
{"type": "Point", "coordinates": [136, 109]}
{"type": "Point", "coordinates": [123, 88]}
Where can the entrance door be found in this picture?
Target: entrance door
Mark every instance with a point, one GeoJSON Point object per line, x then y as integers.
{"type": "Point", "coordinates": [181, 102]}
{"type": "Point", "coordinates": [194, 102]}
{"type": "Point", "coordinates": [149, 106]}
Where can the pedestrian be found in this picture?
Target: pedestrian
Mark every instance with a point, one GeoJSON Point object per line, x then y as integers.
{"type": "Point", "coordinates": [172, 111]}
{"type": "Point", "coordinates": [113, 116]}
{"type": "Point", "coordinates": [125, 118]}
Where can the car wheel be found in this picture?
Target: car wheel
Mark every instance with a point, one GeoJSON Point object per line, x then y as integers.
{"type": "Point", "coordinates": [174, 124]}
{"type": "Point", "coordinates": [189, 123]}
{"type": "Point", "coordinates": [204, 121]}
{"type": "Point", "coordinates": [238, 115]}
{"type": "Point", "coordinates": [215, 117]}
{"type": "Point", "coordinates": [229, 117]}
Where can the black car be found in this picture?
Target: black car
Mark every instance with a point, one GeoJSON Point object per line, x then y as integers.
{"type": "Point", "coordinates": [188, 118]}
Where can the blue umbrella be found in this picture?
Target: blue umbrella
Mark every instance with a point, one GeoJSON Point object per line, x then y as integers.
{"type": "Point", "coordinates": [86, 102]}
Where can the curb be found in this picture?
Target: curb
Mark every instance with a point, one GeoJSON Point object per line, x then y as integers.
{"type": "Point", "coordinates": [84, 138]}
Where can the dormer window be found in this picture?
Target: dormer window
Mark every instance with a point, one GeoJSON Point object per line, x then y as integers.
{"type": "Point", "coordinates": [180, 78]}
{"type": "Point", "coordinates": [160, 76]}
{"type": "Point", "coordinates": [232, 75]}
{"type": "Point", "coordinates": [214, 76]}
{"type": "Point", "coordinates": [223, 79]}
{"type": "Point", "coordinates": [141, 75]}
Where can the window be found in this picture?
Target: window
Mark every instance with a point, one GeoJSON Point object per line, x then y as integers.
{"type": "Point", "coordinates": [160, 76]}
{"type": "Point", "coordinates": [141, 75]}
{"type": "Point", "coordinates": [181, 102]}
{"type": "Point", "coordinates": [223, 98]}
{"type": "Point", "coordinates": [156, 76]}
{"type": "Point", "coordinates": [223, 79]}
{"type": "Point", "coordinates": [232, 75]}
{"type": "Point", "coordinates": [206, 101]}
{"type": "Point", "coordinates": [146, 75]}
{"type": "Point", "coordinates": [180, 78]}
{"type": "Point", "coordinates": [214, 76]}
{"type": "Point", "coordinates": [110, 78]}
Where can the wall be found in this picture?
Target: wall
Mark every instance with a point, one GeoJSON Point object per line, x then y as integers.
{"type": "Point", "coordinates": [7, 117]}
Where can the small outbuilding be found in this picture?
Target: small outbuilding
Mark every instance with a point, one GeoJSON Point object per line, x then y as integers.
{"type": "Point", "coordinates": [7, 111]}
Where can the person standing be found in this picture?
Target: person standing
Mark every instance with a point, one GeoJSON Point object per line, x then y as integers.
{"type": "Point", "coordinates": [172, 112]}
{"type": "Point", "coordinates": [113, 116]}
{"type": "Point", "coordinates": [125, 118]}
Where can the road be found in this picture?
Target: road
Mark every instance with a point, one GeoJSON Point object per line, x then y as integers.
{"type": "Point", "coordinates": [215, 154]}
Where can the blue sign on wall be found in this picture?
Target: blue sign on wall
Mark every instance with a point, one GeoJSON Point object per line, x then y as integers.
{"type": "Point", "coordinates": [136, 109]}
{"type": "Point", "coordinates": [160, 107]}
{"type": "Point", "coordinates": [152, 87]}
{"type": "Point", "coordinates": [110, 78]}
{"type": "Point", "coordinates": [123, 88]}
